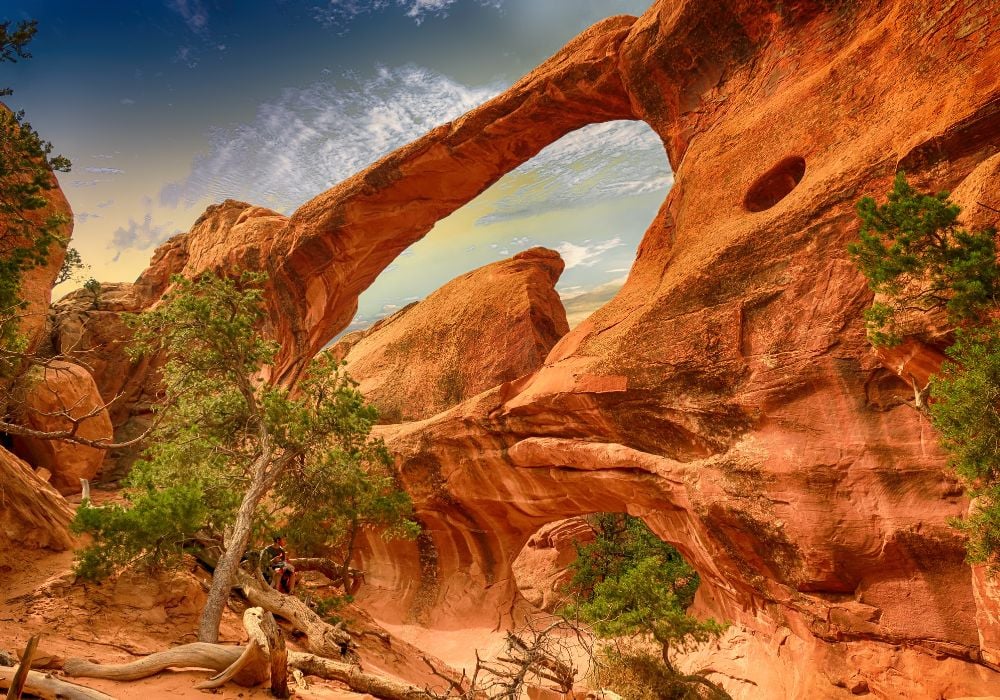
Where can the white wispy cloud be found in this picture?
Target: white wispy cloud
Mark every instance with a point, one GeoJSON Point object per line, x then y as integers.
{"type": "Point", "coordinates": [144, 235]}
{"type": "Point", "coordinates": [105, 171]}
{"type": "Point", "coordinates": [193, 12]}
{"type": "Point", "coordinates": [308, 139]}
{"type": "Point", "coordinates": [187, 55]}
{"type": "Point", "coordinates": [599, 162]}
{"type": "Point", "coordinates": [587, 254]}
{"type": "Point", "coordinates": [84, 216]}
{"type": "Point", "coordinates": [337, 13]}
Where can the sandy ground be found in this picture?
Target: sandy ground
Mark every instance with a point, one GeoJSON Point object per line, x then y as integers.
{"type": "Point", "coordinates": [115, 623]}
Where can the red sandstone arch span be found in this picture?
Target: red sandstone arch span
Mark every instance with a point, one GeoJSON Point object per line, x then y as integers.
{"type": "Point", "coordinates": [727, 394]}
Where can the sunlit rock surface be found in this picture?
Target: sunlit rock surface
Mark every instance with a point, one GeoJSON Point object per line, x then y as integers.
{"type": "Point", "coordinates": [727, 394]}
{"type": "Point", "coordinates": [488, 326]}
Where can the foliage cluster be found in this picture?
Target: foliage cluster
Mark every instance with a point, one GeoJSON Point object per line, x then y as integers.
{"type": "Point", "coordinates": [917, 256]}
{"type": "Point", "coordinates": [630, 583]}
{"type": "Point", "coordinates": [913, 252]}
{"type": "Point", "coordinates": [26, 176]}
{"type": "Point", "coordinates": [227, 433]}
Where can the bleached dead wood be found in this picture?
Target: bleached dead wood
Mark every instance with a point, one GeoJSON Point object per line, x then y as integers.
{"type": "Point", "coordinates": [21, 674]}
{"type": "Point", "coordinates": [49, 687]}
{"type": "Point", "coordinates": [279, 656]}
{"type": "Point", "coordinates": [253, 664]}
{"type": "Point", "coordinates": [357, 680]}
{"type": "Point", "coordinates": [219, 658]}
{"type": "Point", "coordinates": [322, 638]}
{"type": "Point", "coordinates": [214, 657]}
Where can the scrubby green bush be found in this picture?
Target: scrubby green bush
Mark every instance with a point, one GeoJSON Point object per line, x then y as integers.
{"type": "Point", "coordinates": [916, 254]}
{"type": "Point", "coordinates": [630, 584]}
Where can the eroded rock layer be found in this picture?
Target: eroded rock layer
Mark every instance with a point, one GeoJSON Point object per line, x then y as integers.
{"type": "Point", "coordinates": [727, 394]}
{"type": "Point", "coordinates": [488, 326]}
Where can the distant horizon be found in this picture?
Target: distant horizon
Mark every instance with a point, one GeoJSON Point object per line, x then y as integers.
{"type": "Point", "coordinates": [172, 106]}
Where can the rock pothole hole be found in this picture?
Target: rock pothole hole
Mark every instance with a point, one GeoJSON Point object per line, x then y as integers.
{"type": "Point", "coordinates": [776, 184]}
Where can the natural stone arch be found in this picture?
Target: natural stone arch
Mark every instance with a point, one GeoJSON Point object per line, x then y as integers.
{"type": "Point", "coordinates": [816, 503]}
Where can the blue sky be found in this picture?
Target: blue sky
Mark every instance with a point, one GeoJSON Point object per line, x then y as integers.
{"type": "Point", "coordinates": [166, 107]}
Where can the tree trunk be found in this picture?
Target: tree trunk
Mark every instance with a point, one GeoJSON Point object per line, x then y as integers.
{"type": "Point", "coordinates": [225, 572]}
{"type": "Point", "coordinates": [46, 686]}
{"type": "Point", "coordinates": [321, 637]}
{"type": "Point", "coordinates": [665, 653]}
{"type": "Point", "coordinates": [345, 570]}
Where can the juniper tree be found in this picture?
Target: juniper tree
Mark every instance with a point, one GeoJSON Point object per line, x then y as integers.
{"type": "Point", "coordinates": [629, 582]}
{"type": "Point", "coordinates": [229, 437]}
{"type": "Point", "coordinates": [916, 254]}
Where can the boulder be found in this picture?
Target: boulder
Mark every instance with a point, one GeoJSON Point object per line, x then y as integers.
{"type": "Point", "coordinates": [64, 391]}
{"type": "Point", "coordinates": [487, 327]}
{"type": "Point", "coordinates": [33, 513]}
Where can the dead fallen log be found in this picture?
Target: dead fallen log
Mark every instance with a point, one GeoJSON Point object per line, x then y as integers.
{"type": "Point", "coordinates": [322, 638]}
{"type": "Point", "coordinates": [218, 657]}
{"type": "Point", "coordinates": [357, 680]}
{"type": "Point", "coordinates": [214, 657]}
{"type": "Point", "coordinates": [46, 686]}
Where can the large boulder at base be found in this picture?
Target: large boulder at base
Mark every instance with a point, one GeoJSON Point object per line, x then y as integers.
{"type": "Point", "coordinates": [487, 327]}
{"type": "Point", "coordinates": [67, 389]}
{"type": "Point", "coordinates": [33, 514]}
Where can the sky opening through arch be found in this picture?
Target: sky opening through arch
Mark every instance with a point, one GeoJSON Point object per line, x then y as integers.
{"type": "Point", "coordinates": [166, 107]}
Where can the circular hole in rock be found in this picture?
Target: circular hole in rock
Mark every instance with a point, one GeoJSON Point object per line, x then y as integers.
{"type": "Point", "coordinates": [774, 185]}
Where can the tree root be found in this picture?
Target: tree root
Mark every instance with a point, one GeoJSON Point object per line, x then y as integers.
{"type": "Point", "coordinates": [49, 687]}
{"type": "Point", "coordinates": [215, 657]}
{"type": "Point", "coordinates": [247, 666]}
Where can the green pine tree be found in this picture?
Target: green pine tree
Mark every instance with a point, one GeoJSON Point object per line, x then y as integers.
{"type": "Point", "coordinates": [916, 254]}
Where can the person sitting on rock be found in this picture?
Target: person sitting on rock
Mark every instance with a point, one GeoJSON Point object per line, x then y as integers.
{"type": "Point", "coordinates": [275, 559]}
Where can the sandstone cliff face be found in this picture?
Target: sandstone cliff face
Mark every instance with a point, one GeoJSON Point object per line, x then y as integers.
{"type": "Point", "coordinates": [727, 394]}
{"type": "Point", "coordinates": [542, 567]}
{"type": "Point", "coordinates": [36, 283]}
{"type": "Point", "coordinates": [489, 326]}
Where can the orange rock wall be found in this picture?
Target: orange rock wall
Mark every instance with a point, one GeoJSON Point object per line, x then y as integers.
{"type": "Point", "coordinates": [488, 326]}
{"type": "Point", "coordinates": [727, 394]}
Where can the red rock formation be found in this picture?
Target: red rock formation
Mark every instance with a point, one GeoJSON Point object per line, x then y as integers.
{"type": "Point", "coordinates": [488, 326]}
{"type": "Point", "coordinates": [33, 514]}
{"type": "Point", "coordinates": [36, 283]}
{"type": "Point", "coordinates": [64, 391]}
{"type": "Point", "coordinates": [727, 394]}
{"type": "Point", "coordinates": [541, 569]}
